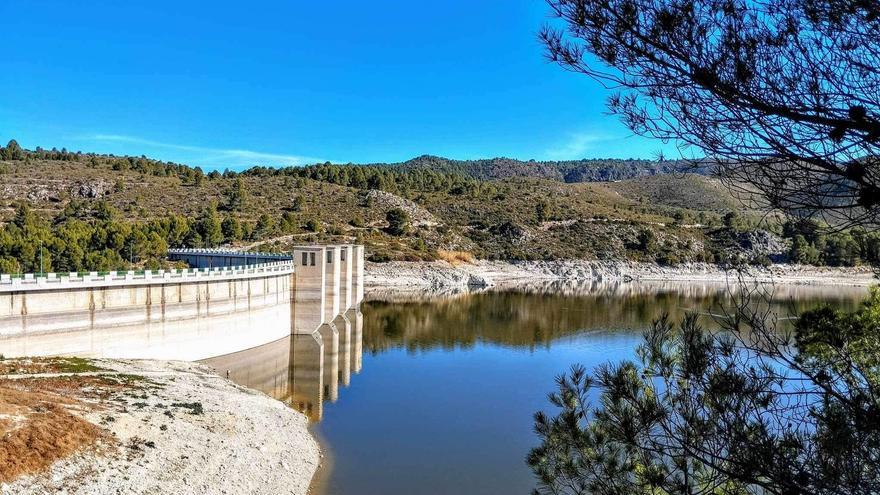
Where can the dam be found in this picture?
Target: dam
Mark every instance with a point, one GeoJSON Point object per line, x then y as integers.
{"type": "Point", "coordinates": [228, 302]}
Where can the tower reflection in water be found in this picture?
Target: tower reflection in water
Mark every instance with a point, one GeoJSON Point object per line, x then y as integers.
{"type": "Point", "coordinates": [301, 370]}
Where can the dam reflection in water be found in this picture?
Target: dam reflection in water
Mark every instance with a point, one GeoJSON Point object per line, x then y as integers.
{"type": "Point", "coordinates": [302, 371]}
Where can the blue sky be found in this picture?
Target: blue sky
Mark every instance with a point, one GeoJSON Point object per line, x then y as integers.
{"type": "Point", "coordinates": [232, 84]}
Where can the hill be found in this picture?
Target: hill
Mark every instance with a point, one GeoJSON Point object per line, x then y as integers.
{"type": "Point", "coordinates": [105, 212]}
{"type": "Point", "coordinates": [594, 170]}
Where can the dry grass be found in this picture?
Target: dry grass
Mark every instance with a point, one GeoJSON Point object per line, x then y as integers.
{"type": "Point", "coordinates": [93, 388]}
{"type": "Point", "coordinates": [38, 429]}
{"type": "Point", "coordinates": [31, 366]}
{"type": "Point", "coordinates": [40, 417]}
{"type": "Point", "coordinates": [455, 257]}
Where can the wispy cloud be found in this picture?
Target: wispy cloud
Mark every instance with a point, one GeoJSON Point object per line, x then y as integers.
{"type": "Point", "coordinates": [577, 145]}
{"type": "Point", "coordinates": [212, 156]}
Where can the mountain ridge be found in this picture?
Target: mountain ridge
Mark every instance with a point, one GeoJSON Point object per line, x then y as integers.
{"type": "Point", "coordinates": [568, 171]}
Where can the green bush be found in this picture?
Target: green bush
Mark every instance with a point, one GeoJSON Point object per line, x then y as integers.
{"type": "Point", "coordinates": [398, 221]}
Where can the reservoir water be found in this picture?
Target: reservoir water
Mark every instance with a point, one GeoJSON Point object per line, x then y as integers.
{"type": "Point", "coordinates": [435, 395]}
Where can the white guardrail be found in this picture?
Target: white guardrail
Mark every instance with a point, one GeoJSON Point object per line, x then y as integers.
{"type": "Point", "coordinates": [55, 281]}
{"type": "Point", "coordinates": [229, 252]}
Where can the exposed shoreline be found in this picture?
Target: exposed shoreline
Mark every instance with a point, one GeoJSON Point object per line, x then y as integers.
{"type": "Point", "coordinates": [156, 440]}
{"type": "Point", "coordinates": [440, 275]}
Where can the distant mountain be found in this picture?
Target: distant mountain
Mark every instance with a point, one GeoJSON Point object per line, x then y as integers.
{"type": "Point", "coordinates": [570, 171]}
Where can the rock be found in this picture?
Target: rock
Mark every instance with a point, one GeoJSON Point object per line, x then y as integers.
{"type": "Point", "coordinates": [512, 232]}
{"type": "Point", "coordinates": [42, 194]}
{"type": "Point", "coordinates": [442, 277]}
{"type": "Point", "coordinates": [92, 189]}
{"type": "Point", "coordinates": [761, 242]}
{"type": "Point", "coordinates": [418, 215]}
{"type": "Point", "coordinates": [477, 281]}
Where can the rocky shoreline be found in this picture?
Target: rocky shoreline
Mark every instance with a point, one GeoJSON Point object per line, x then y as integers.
{"type": "Point", "coordinates": [441, 275]}
{"type": "Point", "coordinates": [148, 427]}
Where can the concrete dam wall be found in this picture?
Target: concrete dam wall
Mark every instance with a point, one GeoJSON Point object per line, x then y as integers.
{"type": "Point", "coordinates": [165, 312]}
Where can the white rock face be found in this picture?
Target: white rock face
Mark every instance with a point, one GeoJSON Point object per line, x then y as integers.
{"type": "Point", "coordinates": [441, 275]}
{"type": "Point", "coordinates": [418, 215]}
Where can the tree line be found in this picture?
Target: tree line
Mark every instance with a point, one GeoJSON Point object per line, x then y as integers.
{"type": "Point", "coordinates": [813, 244]}
{"type": "Point", "coordinates": [148, 166]}
{"type": "Point", "coordinates": [92, 236]}
{"type": "Point", "coordinates": [381, 177]}
{"type": "Point", "coordinates": [377, 177]}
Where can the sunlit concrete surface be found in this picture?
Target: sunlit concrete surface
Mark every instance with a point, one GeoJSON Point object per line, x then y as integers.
{"type": "Point", "coordinates": [357, 278]}
{"type": "Point", "coordinates": [89, 303]}
{"type": "Point", "coordinates": [186, 339]}
{"type": "Point", "coordinates": [310, 292]}
{"type": "Point", "coordinates": [346, 272]}
{"type": "Point", "coordinates": [201, 314]}
{"type": "Point", "coordinates": [331, 306]}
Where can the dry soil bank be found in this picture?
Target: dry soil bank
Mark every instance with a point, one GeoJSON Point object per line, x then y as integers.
{"type": "Point", "coordinates": [173, 427]}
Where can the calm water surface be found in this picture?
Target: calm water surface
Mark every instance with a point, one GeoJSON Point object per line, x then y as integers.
{"type": "Point", "coordinates": [440, 392]}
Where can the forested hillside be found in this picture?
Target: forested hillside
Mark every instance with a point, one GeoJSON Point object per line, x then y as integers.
{"type": "Point", "coordinates": [79, 211]}
{"type": "Point", "coordinates": [594, 170]}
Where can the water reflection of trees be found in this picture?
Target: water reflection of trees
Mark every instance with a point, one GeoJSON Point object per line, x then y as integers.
{"type": "Point", "coordinates": [535, 319]}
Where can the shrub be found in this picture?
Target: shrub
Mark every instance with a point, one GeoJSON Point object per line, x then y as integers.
{"type": "Point", "coordinates": [398, 221]}
{"type": "Point", "coordinates": [312, 225]}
